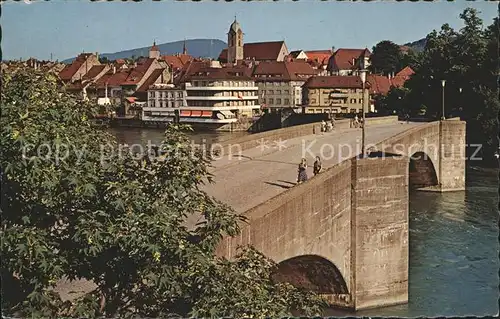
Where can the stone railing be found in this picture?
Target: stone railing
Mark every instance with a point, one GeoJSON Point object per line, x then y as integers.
{"type": "Point", "coordinates": [254, 140]}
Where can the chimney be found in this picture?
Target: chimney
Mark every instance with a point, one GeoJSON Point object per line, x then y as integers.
{"type": "Point", "coordinates": [333, 49]}
{"type": "Point", "coordinates": [114, 69]}
{"type": "Point", "coordinates": [97, 55]}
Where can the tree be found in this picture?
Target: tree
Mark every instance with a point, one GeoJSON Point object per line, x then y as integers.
{"type": "Point", "coordinates": [386, 58]}
{"type": "Point", "coordinates": [468, 61]}
{"type": "Point", "coordinates": [74, 205]}
{"type": "Point", "coordinates": [103, 60]}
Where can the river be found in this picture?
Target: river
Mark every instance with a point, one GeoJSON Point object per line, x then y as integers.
{"type": "Point", "coordinates": [454, 245]}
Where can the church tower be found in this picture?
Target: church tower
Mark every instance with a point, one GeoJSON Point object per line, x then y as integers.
{"type": "Point", "coordinates": [154, 52]}
{"type": "Point", "coordinates": [234, 43]}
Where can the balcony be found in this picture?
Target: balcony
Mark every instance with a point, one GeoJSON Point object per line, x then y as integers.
{"type": "Point", "coordinates": [221, 108]}
{"type": "Point", "coordinates": [221, 88]}
{"type": "Point", "coordinates": [221, 98]}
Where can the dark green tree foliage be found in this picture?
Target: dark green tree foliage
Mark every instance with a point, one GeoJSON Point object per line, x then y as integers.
{"type": "Point", "coordinates": [103, 215]}
{"type": "Point", "coordinates": [386, 58]}
{"type": "Point", "coordinates": [468, 61]}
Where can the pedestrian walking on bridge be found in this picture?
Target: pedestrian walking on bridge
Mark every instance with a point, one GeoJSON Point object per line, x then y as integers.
{"type": "Point", "coordinates": [302, 171]}
{"type": "Point", "coordinates": [317, 166]}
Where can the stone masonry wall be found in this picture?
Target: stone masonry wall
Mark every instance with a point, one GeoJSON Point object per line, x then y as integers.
{"type": "Point", "coordinates": [379, 232]}
{"type": "Point", "coordinates": [309, 219]}
{"type": "Point", "coordinates": [452, 175]}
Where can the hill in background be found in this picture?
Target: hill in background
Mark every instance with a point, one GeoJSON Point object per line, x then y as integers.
{"type": "Point", "coordinates": [198, 48]}
{"type": "Point", "coordinates": [418, 45]}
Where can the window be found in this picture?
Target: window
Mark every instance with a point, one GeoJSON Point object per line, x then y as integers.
{"type": "Point", "coordinates": [359, 101]}
{"type": "Point", "coordinates": [353, 101]}
{"type": "Point", "coordinates": [297, 101]}
{"type": "Point", "coordinates": [270, 91]}
{"type": "Point", "coordinates": [286, 92]}
{"type": "Point", "coordinates": [287, 101]}
{"type": "Point", "coordinates": [353, 110]}
{"type": "Point", "coordinates": [278, 101]}
{"type": "Point", "coordinates": [271, 101]}
{"type": "Point", "coordinates": [276, 83]}
{"type": "Point", "coordinates": [278, 91]}
{"type": "Point", "coordinates": [313, 101]}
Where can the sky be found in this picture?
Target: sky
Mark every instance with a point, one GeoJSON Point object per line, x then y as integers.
{"type": "Point", "coordinates": [65, 28]}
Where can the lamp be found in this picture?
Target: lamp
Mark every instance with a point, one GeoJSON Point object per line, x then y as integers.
{"type": "Point", "coordinates": [443, 83]}
{"type": "Point", "coordinates": [362, 75]}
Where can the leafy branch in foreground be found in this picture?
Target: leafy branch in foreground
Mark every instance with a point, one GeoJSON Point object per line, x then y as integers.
{"type": "Point", "coordinates": [76, 206]}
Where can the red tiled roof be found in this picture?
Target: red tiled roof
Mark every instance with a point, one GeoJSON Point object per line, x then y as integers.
{"type": "Point", "coordinates": [120, 61]}
{"type": "Point", "coordinates": [283, 71]}
{"type": "Point", "coordinates": [406, 72]}
{"type": "Point", "coordinates": [343, 58]}
{"type": "Point", "coordinates": [334, 82]}
{"type": "Point", "coordinates": [94, 71]}
{"type": "Point", "coordinates": [227, 73]}
{"type": "Point", "coordinates": [185, 58]}
{"type": "Point", "coordinates": [113, 80]}
{"type": "Point", "coordinates": [260, 51]}
{"type": "Point", "coordinates": [382, 85]}
{"type": "Point", "coordinates": [177, 61]}
{"type": "Point", "coordinates": [136, 74]}
{"type": "Point", "coordinates": [70, 69]}
{"type": "Point", "coordinates": [150, 80]}
{"type": "Point", "coordinates": [320, 56]}
{"type": "Point", "coordinates": [154, 47]}
{"type": "Point", "coordinates": [379, 84]}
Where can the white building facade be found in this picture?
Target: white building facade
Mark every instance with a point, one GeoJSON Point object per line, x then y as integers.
{"type": "Point", "coordinates": [163, 101]}
{"type": "Point", "coordinates": [220, 100]}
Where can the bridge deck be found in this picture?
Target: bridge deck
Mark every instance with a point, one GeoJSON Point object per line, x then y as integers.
{"type": "Point", "coordinates": [260, 174]}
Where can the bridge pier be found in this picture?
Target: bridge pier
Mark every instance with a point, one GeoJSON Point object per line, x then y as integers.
{"type": "Point", "coordinates": [452, 155]}
{"type": "Point", "coordinates": [379, 231]}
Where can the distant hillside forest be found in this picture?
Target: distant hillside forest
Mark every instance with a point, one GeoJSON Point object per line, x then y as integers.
{"type": "Point", "coordinates": [199, 48]}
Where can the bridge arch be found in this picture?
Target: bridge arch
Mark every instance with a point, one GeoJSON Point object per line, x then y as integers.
{"type": "Point", "coordinates": [311, 272]}
{"type": "Point", "coordinates": [422, 172]}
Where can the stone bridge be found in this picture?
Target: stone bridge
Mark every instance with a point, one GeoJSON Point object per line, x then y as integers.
{"type": "Point", "coordinates": [344, 232]}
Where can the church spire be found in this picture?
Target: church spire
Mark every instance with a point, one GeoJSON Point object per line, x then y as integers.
{"type": "Point", "coordinates": [184, 48]}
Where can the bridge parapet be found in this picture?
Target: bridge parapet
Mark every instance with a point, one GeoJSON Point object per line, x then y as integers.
{"type": "Point", "coordinates": [349, 224]}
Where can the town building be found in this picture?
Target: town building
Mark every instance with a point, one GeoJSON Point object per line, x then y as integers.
{"type": "Point", "coordinates": [219, 98]}
{"type": "Point", "coordinates": [79, 67]}
{"type": "Point", "coordinates": [348, 61]}
{"type": "Point", "coordinates": [280, 83]}
{"type": "Point", "coordinates": [237, 50]}
{"type": "Point", "coordinates": [298, 55]}
{"type": "Point", "coordinates": [381, 85]}
{"type": "Point", "coordinates": [163, 102]}
{"type": "Point", "coordinates": [319, 59]}
{"type": "Point", "coordinates": [335, 94]}
{"type": "Point", "coordinates": [154, 51]}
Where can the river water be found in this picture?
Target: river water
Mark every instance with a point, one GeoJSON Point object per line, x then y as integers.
{"type": "Point", "coordinates": [454, 248]}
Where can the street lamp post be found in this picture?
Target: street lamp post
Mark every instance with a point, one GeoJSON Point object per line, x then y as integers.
{"type": "Point", "coordinates": [443, 83]}
{"type": "Point", "coordinates": [362, 74]}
